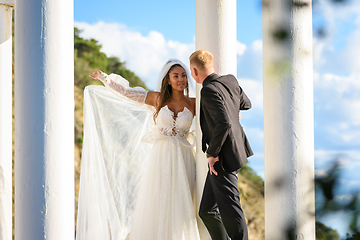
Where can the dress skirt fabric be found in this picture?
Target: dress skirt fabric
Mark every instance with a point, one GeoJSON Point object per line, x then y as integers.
{"type": "Point", "coordinates": [131, 186]}
{"type": "Point", "coordinates": [165, 208]}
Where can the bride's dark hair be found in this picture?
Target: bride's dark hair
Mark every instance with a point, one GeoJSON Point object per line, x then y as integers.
{"type": "Point", "coordinates": [166, 91]}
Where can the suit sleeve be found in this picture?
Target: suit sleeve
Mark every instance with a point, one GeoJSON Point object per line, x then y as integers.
{"type": "Point", "coordinates": [245, 103]}
{"type": "Point", "coordinates": [213, 103]}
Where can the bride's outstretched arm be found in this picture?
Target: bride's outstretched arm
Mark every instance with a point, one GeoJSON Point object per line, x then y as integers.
{"type": "Point", "coordinates": [121, 86]}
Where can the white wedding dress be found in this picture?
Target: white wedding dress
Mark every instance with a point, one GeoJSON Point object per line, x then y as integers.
{"type": "Point", "coordinates": [165, 209]}
{"type": "Point", "coordinates": [137, 178]}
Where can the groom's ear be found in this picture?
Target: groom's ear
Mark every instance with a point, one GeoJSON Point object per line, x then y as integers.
{"type": "Point", "coordinates": [196, 73]}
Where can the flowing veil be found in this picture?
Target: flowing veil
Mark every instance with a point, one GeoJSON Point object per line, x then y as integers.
{"type": "Point", "coordinates": [111, 165]}
{"type": "Point", "coordinates": [112, 161]}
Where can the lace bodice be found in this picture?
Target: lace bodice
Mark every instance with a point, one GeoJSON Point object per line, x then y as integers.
{"type": "Point", "coordinates": [169, 125]}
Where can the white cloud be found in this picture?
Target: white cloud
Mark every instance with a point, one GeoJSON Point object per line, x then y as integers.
{"type": "Point", "coordinates": [254, 90]}
{"type": "Point", "coordinates": [144, 55]}
{"type": "Point", "coordinates": [336, 75]}
{"type": "Point", "coordinates": [350, 55]}
{"type": "Point", "coordinates": [318, 48]}
{"type": "Point", "coordinates": [335, 14]}
{"type": "Point", "coordinates": [321, 173]}
{"type": "Point", "coordinates": [257, 46]}
{"type": "Point", "coordinates": [257, 134]}
{"type": "Point", "coordinates": [240, 48]}
{"type": "Point", "coordinates": [338, 51]}
{"type": "Point", "coordinates": [347, 159]}
{"type": "Point", "coordinates": [337, 107]}
{"type": "Point", "coordinates": [250, 62]}
{"type": "Point", "coordinates": [343, 198]}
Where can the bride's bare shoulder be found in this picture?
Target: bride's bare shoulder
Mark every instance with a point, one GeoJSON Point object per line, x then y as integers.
{"type": "Point", "coordinates": [152, 98]}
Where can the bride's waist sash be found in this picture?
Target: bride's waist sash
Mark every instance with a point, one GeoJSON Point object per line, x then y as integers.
{"type": "Point", "coordinates": [187, 139]}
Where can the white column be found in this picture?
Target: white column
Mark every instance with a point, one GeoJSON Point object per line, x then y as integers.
{"type": "Point", "coordinates": [288, 119]}
{"type": "Point", "coordinates": [5, 120]}
{"type": "Point", "coordinates": [216, 33]}
{"type": "Point", "coordinates": [44, 120]}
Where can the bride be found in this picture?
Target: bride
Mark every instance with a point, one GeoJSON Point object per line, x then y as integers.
{"type": "Point", "coordinates": [138, 184]}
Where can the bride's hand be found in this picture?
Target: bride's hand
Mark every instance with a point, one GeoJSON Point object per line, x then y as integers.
{"type": "Point", "coordinates": [95, 75]}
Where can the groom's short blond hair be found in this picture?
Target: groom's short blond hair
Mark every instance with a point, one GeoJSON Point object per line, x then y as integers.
{"type": "Point", "coordinates": [201, 59]}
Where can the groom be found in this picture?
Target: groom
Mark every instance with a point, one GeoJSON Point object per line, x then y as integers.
{"type": "Point", "coordinates": [226, 148]}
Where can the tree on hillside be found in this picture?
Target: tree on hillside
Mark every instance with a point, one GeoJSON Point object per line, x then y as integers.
{"type": "Point", "coordinates": [325, 233]}
{"type": "Point", "coordinates": [248, 173]}
{"type": "Point", "coordinates": [89, 58]}
{"type": "Point", "coordinates": [355, 236]}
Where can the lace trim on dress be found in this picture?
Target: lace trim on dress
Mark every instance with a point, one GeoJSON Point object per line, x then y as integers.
{"type": "Point", "coordinates": [121, 86]}
{"type": "Point", "coordinates": [173, 132]}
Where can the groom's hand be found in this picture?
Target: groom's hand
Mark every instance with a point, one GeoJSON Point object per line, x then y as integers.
{"type": "Point", "coordinates": [212, 162]}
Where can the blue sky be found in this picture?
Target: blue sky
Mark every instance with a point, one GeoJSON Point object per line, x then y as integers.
{"type": "Point", "coordinates": [145, 34]}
